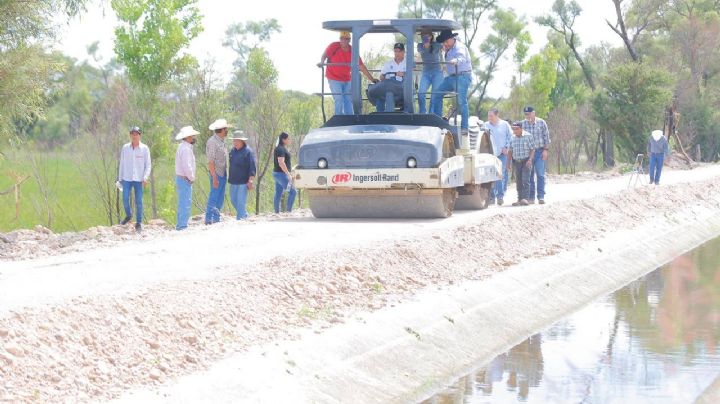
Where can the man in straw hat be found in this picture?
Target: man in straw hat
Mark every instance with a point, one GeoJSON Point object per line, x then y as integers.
{"type": "Point", "coordinates": [242, 171]}
{"type": "Point", "coordinates": [217, 165]}
{"type": "Point", "coordinates": [338, 76]}
{"type": "Point", "coordinates": [459, 76]}
{"type": "Point", "coordinates": [184, 174]}
{"type": "Point", "coordinates": [658, 152]}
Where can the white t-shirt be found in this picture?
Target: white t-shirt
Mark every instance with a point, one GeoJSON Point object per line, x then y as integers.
{"type": "Point", "coordinates": [392, 67]}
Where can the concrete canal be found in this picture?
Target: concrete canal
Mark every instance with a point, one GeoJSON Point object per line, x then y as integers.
{"type": "Point", "coordinates": [655, 340]}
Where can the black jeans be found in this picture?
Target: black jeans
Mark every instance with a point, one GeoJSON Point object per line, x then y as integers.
{"type": "Point", "coordinates": [522, 178]}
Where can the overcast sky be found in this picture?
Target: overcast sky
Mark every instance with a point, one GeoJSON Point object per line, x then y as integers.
{"type": "Point", "coordinates": [297, 49]}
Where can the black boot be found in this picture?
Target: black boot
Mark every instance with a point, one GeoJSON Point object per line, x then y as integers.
{"type": "Point", "coordinates": [126, 220]}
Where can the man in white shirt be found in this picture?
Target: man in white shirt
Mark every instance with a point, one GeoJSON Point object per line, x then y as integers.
{"type": "Point", "coordinates": [391, 77]}
{"type": "Point", "coordinates": [134, 172]}
{"type": "Point", "coordinates": [184, 174]}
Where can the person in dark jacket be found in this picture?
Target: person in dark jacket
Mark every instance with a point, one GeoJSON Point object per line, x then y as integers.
{"type": "Point", "coordinates": [657, 149]}
{"type": "Point", "coordinates": [281, 173]}
{"type": "Point", "coordinates": [242, 173]}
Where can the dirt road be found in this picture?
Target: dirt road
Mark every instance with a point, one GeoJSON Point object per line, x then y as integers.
{"type": "Point", "coordinates": [93, 323]}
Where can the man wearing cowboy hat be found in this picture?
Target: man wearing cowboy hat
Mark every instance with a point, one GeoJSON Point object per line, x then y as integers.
{"type": "Point", "coordinates": [217, 165]}
{"type": "Point", "coordinates": [459, 76]}
{"type": "Point", "coordinates": [134, 172]}
{"type": "Point", "coordinates": [184, 174]}
{"type": "Point", "coordinates": [241, 173]}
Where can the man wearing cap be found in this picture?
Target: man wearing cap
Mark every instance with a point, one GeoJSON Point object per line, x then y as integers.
{"type": "Point", "coordinates": [432, 75]}
{"type": "Point", "coordinates": [217, 165]}
{"type": "Point", "coordinates": [184, 174]}
{"type": "Point", "coordinates": [501, 135]}
{"type": "Point", "coordinates": [541, 134]}
{"type": "Point", "coordinates": [658, 151]}
{"type": "Point", "coordinates": [134, 173]}
{"type": "Point", "coordinates": [338, 77]}
{"type": "Point", "coordinates": [521, 153]}
{"type": "Point", "coordinates": [241, 174]}
{"type": "Point", "coordinates": [391, 78]}
{"type": "Point", "coordinates": [459, 74]}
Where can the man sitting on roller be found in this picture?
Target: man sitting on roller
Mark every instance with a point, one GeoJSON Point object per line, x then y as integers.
{"type": "Point", "coordinates": [391, 78]}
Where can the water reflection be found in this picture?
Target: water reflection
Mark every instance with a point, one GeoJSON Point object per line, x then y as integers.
{"type": "Point", "coordinates": [655, 340]}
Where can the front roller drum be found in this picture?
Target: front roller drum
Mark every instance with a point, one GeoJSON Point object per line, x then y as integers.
{"type": "Point", "coordinates": [385, 203]}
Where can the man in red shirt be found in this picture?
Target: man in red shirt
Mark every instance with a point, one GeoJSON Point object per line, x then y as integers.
{"type": "Point", "coordinates": [339, 76]}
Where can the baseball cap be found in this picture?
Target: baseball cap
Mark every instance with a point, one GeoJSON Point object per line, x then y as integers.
{"type": "Point", "coordinates": [516, 124]}
{"type": "Point", "coordinates": [400, 46]}
{"type": "Point", "coordinates": [528, 109]}
{"type": "Point", "coordinates": [136, 129]}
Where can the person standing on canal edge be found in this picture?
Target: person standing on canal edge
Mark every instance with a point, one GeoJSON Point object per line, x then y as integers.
{"type": "Point", "coordinates": [217, 165]}
{"type": "Point", "coordinates": [134, 172]}
{"type": "Point", "coordinates": [281, 173]}
{"type": "Point", "coordinates": [242, 173]}
{"type": "Point", "coordinates": [541, 135]}
{"type": "Point", "coordinates": [184, 174]}
{"type": "Point", "coordinates": [521, 153]}
{"type": "Point", "coordinates": [501, 135]}
{"type": "Point", "coordinates": [658, 152]}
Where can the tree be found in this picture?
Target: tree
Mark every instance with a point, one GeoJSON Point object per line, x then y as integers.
{"type": "Point", "coordinates": [641, 16]}
{"type": "Point", "coordinates": [242, 39]}
{"type": "Point", "coordinates": [264, 116]}
{"type": "Point", "coordinates": [563, 22]}
{"type": "Point", "coordinates": [26, 68]}
{"type": "Point", "coordinates": [148, 41]}
{"type": "Point", "coordinates": [423, 8]}
{"type": "Point", "coordinates": [632, 104]}
{"type": "Point", "coordinates": [507, 29]}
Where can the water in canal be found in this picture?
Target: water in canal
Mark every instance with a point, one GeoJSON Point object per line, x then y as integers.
{"type": "Point", "coordinates": [656, 340]}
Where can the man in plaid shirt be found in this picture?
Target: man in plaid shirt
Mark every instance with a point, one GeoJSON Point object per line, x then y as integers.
{"type": "Point", "coordinates": [541, 134]}
{"type": "Point", "coordinates": [521, 153]}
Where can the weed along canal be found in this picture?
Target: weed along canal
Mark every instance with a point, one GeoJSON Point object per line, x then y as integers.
{"type": "Point", "coordinates": [655, 340]}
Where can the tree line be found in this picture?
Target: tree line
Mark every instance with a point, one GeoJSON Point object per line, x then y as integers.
{"type": "Point", "coordinates": [601, 101]}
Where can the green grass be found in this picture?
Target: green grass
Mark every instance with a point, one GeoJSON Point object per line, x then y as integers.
{"type": "Point", "coordinates": [74, 203]}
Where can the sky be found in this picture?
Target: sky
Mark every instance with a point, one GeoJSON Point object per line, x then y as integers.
{"type": "Point", "coordinates": [297, 49]}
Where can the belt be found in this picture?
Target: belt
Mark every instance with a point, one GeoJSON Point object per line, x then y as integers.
{"type": "Point", "coordinates": [460, 73]}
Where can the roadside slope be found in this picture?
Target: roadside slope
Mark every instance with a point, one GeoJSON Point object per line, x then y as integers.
{"type": "Point", "coordinates": [94, 324]}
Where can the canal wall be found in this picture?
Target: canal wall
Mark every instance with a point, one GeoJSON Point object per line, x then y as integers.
{"type": "Point", "coordinates": [407, 352]}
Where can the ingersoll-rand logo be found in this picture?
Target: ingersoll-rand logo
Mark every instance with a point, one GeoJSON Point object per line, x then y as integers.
{"type": "Point", "coordinates": [342, 178]}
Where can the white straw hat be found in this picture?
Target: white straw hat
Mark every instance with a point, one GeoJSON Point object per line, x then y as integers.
{"type": "Point", "coordinates": [186, 131]}
{"type": "Point", "coordinates": [219, 124]}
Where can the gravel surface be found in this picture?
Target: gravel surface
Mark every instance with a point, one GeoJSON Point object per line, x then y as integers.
{"type": "Point", "coordinates": [94, 346]}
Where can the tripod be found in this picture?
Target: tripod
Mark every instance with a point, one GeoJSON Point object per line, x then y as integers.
{"type": "Point", "coordinates": [638, 173]}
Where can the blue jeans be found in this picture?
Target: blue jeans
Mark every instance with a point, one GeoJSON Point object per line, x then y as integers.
{"type": "Point", "coordinates": [448, 85]}
{"type": "Point", "coordinates": [184, 195]}
{"type": "Point", "coordinates": [343, 102]}
{"type": "Point", "coordinates": [216, 199]}
{"type": "Point", "coordinates": [238, 198]}
{"type": "Point", "coordinates": [281, 185]}
{"type": "Point", "coordinates": [656, 165]}
{"type": "Point", "coordinates": [138, 187]}
{"type": "Point", "coordinates": [434, 79]}
{"type": "Point", "coordinates": [538, 171]}
{"type": "Point", "coordinates": [499, 186]}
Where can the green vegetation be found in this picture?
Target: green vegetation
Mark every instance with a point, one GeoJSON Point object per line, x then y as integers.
{"type": "Point", "coordinates": [62, 122]}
